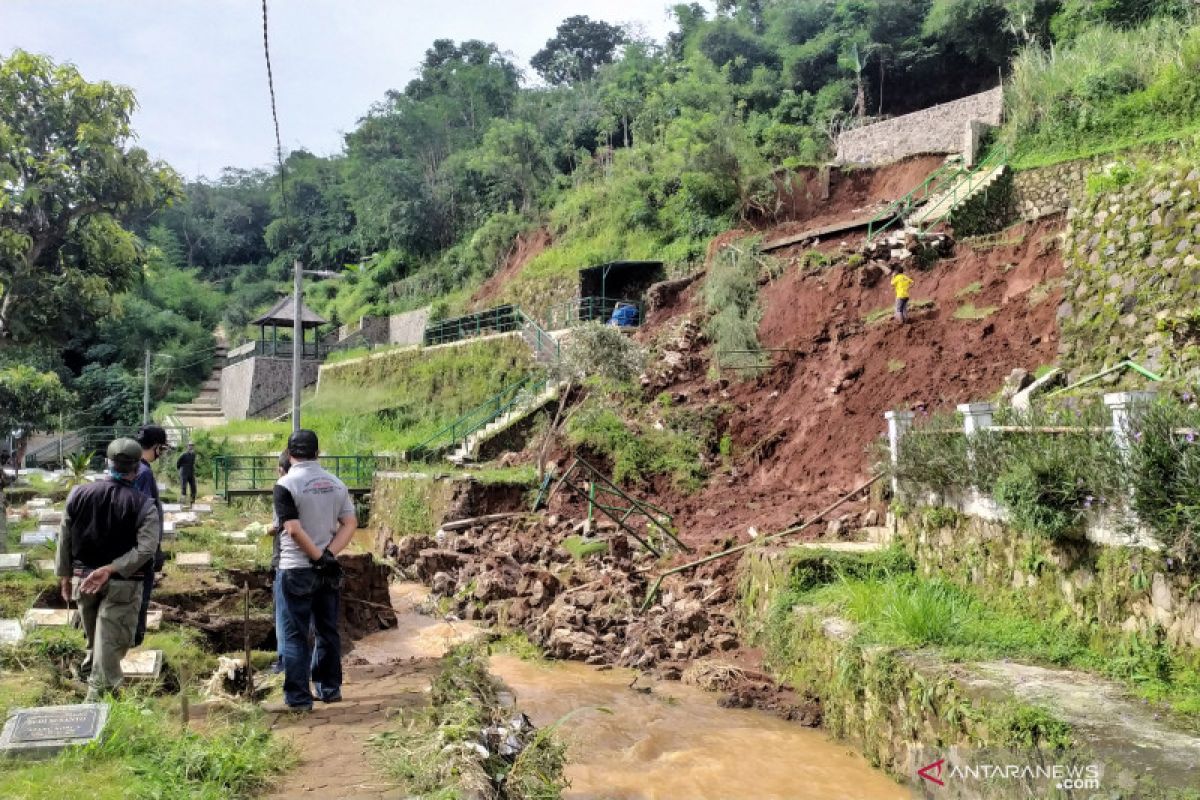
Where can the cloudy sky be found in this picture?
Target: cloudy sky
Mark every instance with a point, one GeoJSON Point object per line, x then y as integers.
{"type": "Point", "coordinates": [197, 65]}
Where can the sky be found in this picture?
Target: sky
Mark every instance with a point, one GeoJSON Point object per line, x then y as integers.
{"type": "Point", "coordinates": [197, 65]}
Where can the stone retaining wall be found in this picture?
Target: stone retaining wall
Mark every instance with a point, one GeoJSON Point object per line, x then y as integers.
{"type": "Point", "coordinates": [253, 386]}
{"type": "Point", "coordinates": [408, 328]}
{"type": "Point", "coordinates": [943, 128]}
{"type": "Point", "coordinates": [1043, 191]}
{"type": "Point", "coordinates": [1133, 274]}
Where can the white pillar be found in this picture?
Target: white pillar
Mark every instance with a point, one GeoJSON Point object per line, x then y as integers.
{"type": "Point", "coordinates": [1124, 407]}
{"type": "Point", "coordinates": [898, 424]}
{"type": "Point", "coordinates": [976, 416]}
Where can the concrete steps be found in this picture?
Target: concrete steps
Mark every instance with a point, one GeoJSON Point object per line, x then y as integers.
{"type": "Point", "coordinates": [960, 191]}
{"type": "Point", "coordinates": [468, 450]}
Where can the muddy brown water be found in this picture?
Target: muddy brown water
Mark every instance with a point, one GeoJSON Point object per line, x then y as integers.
{"type": "Point", "coordinates": [673, 743]}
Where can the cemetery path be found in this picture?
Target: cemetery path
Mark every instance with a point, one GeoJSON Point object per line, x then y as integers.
{"type": "Point", "coordinates": [388, 673]}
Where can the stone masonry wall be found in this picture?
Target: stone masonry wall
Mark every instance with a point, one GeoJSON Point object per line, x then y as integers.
{"type": "Point", "coordinates": [1133, 274]}
{"type": "Point", "coordinates": [253, 386]}
{"type": "Point", "coordinates": [1120, 589]}
{"type": "Point", "coordinates": [1043, 191]}
{"type": "Point", "coordinates": [409, 327]}
{"type": "Point", "coordinates": [938, 129]}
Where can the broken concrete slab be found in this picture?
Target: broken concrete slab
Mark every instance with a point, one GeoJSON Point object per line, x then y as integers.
{"type": "Point", "coordinates": [49, 618]}
{"type": "Point", "coordinates": [184, 519]}
{"type": "Point", "coordinates": [12, 562]}
{"type": "Point", "coordinates": [43, 732]}
{"type": "Point", "coordinates": [200, 560]}
{"type": "Point", "coordinates": [11, 632]}
{"type": "Point", "coordinates": [142, 665]}
{"type": "Point", "coordinates": [154, 619]}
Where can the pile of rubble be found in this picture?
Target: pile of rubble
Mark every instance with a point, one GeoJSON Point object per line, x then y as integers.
{"type": "Point", "coordinates": [517, 573]}
{"type": "Point", "coordinates": [901, 248]}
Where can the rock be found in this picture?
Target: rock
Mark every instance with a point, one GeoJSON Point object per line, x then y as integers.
{"type": "Point", "coordinates": [494, 585]}
{"type": "Point", "coordinates": [443, 584]}
{"type": "Point", "coordinates": [567, 643]}
{"type": "Point", "coordinates": [1017, 380]}
{"type": "Point", "coordinates": [409, 548]}
{"type": "Point", "coordinates": [835, 529]}
{"type": "Point", "coordinates": [431, 561]}
{"type": "Point", "coordinates": [870, 518]}
{"type": "Point", "coordinates": [1160, 594]}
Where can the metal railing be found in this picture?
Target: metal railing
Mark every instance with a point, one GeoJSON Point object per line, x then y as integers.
{"type": "Point", "coordinates": [590, 309]}
{"type": "Point", "coordinates": [501, 319]}
{"type": "Point", "coordinates": [263, 348]}
{"type": "Point", "coordinates": [257, 474]}
{"type": "Point", "coordinates": [545, 347]}
{"type": "Point", "coordinates": [92, 440]}
{"type": "Point", "coordinates": [966, 184]}
{"type": "Point", "coordinates": [897, 210]}
{"type": "Point", "coordinates": [480, 416]}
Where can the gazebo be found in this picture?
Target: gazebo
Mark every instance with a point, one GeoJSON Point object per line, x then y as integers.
{"type": "Point", "coordinates": [283, 315]}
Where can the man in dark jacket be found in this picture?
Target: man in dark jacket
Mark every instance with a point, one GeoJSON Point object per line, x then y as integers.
{"type": "Point", "coordinates": [186, 465]}
{"type": "Point", "coordinates": [153, 440]}
{"type": "Point", "coordinates": [106, 545]}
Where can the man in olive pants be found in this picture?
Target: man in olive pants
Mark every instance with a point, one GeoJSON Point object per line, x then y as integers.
{"type": "Point", "coordinates": [106, 544]}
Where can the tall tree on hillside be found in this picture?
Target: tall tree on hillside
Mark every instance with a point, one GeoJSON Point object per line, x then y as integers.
{"type": "Point", "coordinates": [68, 176]}
{"type": "Point", "coordinates": [30, 400]}
{"type": "Point", "coordinates": [580, 46]}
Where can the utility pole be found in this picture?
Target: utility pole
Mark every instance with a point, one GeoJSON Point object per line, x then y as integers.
{"type": "Point", "coordinates": [146, 390]}
{"type": "Point", "coordinates": [297, 342]}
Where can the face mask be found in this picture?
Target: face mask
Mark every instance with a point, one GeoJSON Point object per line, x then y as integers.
{"type": "Point", "coordinates": [118, 476]}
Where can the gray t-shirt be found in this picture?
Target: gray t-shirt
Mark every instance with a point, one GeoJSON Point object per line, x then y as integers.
{"type": "Point", "coordinates": [315, 497]}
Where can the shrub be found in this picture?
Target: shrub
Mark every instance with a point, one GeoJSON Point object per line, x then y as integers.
{"type": "Point", "coordinates": [1165, 473]}
{"type": "Point", "coordinates": [731, 299]}
{"type": "Point", "coordinates": [603, 351]}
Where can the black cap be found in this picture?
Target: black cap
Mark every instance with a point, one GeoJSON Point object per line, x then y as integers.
{"type": "Point", "coordinates": [125, 454]}
{"type": "Point", "coordinates": [150, 435]}
{"type": "Point", "coordinates": [303, 444]}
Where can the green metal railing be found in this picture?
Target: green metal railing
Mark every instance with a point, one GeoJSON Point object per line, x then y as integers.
{"type": "Point", "coordinates": [257, 474]}
{"type": "Point", "coordinates": [966, 183]}
{"type": "Point", "coordinates": [588, 309]}
{"type": "Point", "coordinates": [91, 440]}
{"type": "Point", "coordinates": [546, 348]}
{"type": "Point", "coordinates": [898, 209]}
{"type": "Point", "coordinates": [282, 348]}
{"type": "Point", "coordinates": [501, 319]}
{"type": "Point", "coordinates": [480, 416]}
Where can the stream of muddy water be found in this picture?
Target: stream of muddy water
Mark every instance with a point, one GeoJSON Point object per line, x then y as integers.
{"type": "Point", "coordinates": [671, 743]}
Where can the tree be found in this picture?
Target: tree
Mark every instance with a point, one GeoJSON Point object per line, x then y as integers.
{"type": "Point", "coordinates": [30, 400]}
{"type": "Point", "coordinates": [67, 178]}
{"type": "Point", "coordinates": [579, 47]}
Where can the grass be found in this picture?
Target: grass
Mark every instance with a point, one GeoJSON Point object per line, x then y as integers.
{"type": "Point", "coordinates": [581, 548]}
{"type": "Point", "coordinates": [895, 365]}
{"type": "Point", "coordinates": [1038, 294]}
{"type": "Point", "coordinates": [968, 311]}
{"type": "Point", "coordinates": [887, 312]}
{"type": "Point", "coordinates": [905, 610]}
{"type": "Point", "coordinates": [731, 300]}
{"type": "Point", "coordinates": [969, 290]}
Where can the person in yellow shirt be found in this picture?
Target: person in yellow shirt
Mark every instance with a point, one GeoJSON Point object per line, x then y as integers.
{"type": "Point", "coordinates": [901, 283]}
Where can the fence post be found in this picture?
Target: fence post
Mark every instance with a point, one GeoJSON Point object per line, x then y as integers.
{"type": "Point", "coordinates": [898, 424]}
{"type": "Point", "coordinates": [1124, 407]}
{"type": "Point", "coordinates": [976, 417]}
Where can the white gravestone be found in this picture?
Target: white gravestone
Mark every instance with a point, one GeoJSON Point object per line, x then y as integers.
{"type": "Point", "coordinates": [42, 732]}
{"type": "Point", "coordinates": [202, 508]}
{"type": "Point", "coordinates": [153, 619]}
{"type": "Point", "coordinates": [172, 507]}
{"type": "Point", "coordinates": [40, 536]}
{"type": "Point", "coordinates": [142, 665]}
{"type": "Point", "coordinates": [49, 618]}
{"type": "Point", "coordinates": [12, 562]}
{"type": "Point", "coordinates": [201, 560]}
{"type": "Point", "coordinates": [45, 565]}
{"type": "Point", "coordinates": [49, 516]}
{"type": "Point", "coordinates": [237, 536]}
{"type": "Point", "coordinates": [11, 632]}
{"type": "Point", "coordinates": [38, 502]}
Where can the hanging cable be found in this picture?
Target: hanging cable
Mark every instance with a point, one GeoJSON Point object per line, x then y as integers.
{"type": "Point", "coordinates": [274, 112]}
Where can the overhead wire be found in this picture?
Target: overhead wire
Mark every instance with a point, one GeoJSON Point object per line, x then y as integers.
{"type": "Point", "coordinates": [274, 112]}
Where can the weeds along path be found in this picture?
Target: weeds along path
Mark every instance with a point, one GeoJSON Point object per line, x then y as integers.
{"type": "Point", "coordinates": [388, 673]}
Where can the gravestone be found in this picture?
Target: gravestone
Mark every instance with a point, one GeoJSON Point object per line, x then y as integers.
{"type": "Point", "coordinates": [11, 632]}
{"type": "Point", "coordinates": [49, 618]}
{"type": "Point", "coordinates": [169, 527]}
{"type": "Point", "coordinates": [172, 507]}
{"type": "Point", "coordinates": [183, 519]}
{"type": "Point", "coordinates": [142, 665]}
{"type": "Point", "coordinates": [40, 536]}
{"type": "Point", "coordinates": [45, 565]}
{"type": "Point", "coordinates": [162, 487]}
{"type": "Point", "coordinates": [153, 619]}
{"type": "Point", "coordinates": [237, 536]}
{"type": "Point", "coordinates": [42, 732]}
{"type": "Point", "coordinates": [38, 502]}
{"type": "Point", "coordinates": [49, 516]}
{"type": "Point", "coordinates": [202, 508]}
{"type": "Point", "coordinates": [12, 562]}
{"type": "Point", "coordinates": [201, 560]}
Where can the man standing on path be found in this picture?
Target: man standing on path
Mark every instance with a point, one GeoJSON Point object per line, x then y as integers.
{"type": "Point", "coordinates": [153, 440]}
{"type": "Point", "coordinates": [106, 546]}
{"type": "Point", "coordinates": [317, 521]}
{"type": "Point", "coordinates": [186, 465]}
{"type": "Point", "coordinates": [902, 284]}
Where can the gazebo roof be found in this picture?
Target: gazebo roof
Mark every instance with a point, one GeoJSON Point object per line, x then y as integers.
{"type": "Point", "coordinates": [283, 315]}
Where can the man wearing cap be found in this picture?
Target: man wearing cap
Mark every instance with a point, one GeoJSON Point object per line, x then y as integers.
{"type": "Point", "coordinates": [153, 440]}
{"type": "Point", "coordinates": [317, 521]}
{"type": "Point", "coordinates": [106, 545]}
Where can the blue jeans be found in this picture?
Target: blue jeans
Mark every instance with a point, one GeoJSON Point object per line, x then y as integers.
{"type": "Point", "coordinates": [304, 601]}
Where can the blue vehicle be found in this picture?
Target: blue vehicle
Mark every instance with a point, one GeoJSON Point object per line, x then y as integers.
{"type": "Point", "coordinates": [625, 315]}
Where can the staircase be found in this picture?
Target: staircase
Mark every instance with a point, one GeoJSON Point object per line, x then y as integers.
{"type": "Point", "coordinates": [525, 404]}
{"type": "Point", "coordinates": [204, 411]}
{"type": "Point", "coordinates": [967, 185]}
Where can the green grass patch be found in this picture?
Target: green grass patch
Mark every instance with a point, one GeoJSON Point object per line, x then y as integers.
{"type": "Point", "coordinates": [969, 290]}
{"type": "Point", "coordinates": [580, 548]}
{"type": "Point", "coordinates": [895, 365]}
{"type": "Point", "coordinates": [968, 311]}
{"type": "Point", "coordinates": [1039, 293]}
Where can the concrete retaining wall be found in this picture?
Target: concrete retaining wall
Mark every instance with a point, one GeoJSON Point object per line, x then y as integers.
{"type": "Point", "coordinates": [253, 386]}
{"type": "Point", "coordinates": [938, 129]}
{"type": "Point", "coordinates": [409, 327]}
